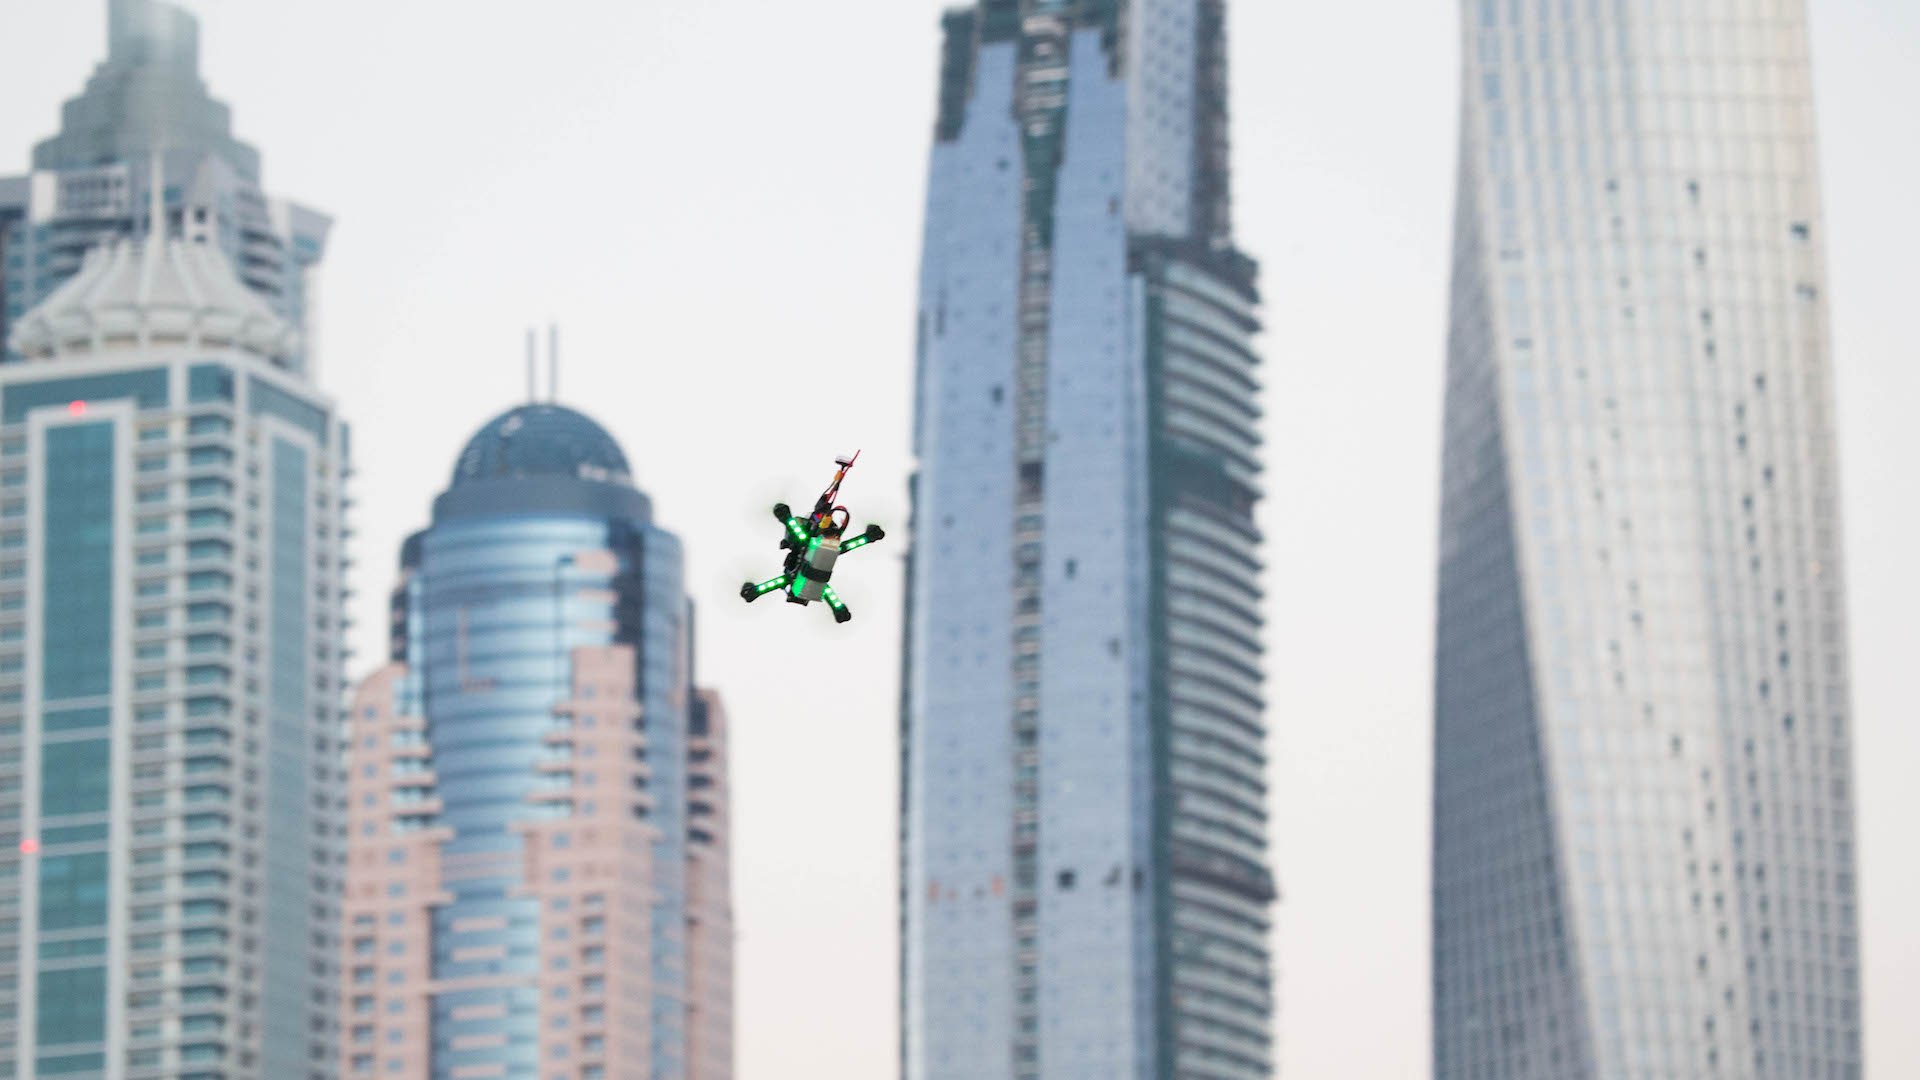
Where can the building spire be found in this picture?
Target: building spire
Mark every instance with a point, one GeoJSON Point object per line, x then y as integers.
{"type": "Point", "coordinates": [553, 362]}
{"type": "Point", "coordinates": [157, 196]}
{"type": "Point", "coordinates": [152, 251]}
{"type": "Point", "coordinates": [533, 392]}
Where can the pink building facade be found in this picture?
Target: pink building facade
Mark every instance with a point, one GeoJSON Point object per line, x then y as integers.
{"type": "Point", "coordinates": [709, 893]}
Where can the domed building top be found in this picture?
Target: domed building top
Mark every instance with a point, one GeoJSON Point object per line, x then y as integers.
{"type": "Point", "coordinates": [541, 440]}
{"type": "Point", "coordinates": [151, 292]}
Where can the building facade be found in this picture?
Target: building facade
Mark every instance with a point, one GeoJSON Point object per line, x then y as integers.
{"type": "Point", "coordinates": [1643, 859]}
{"type": "Point", "coordinates": [537, 881]}
{"type": "Point", "coordinates": [1084, 869]}
{"type": "Point", "coordinates": [88, 183]}
{"type": "Point", "coordinates": [709, 892]}
{"type": "Point", "coordinates": [172, 609]}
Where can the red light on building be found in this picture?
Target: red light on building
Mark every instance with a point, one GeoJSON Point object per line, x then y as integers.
{"type": "Point", "coordinates": [29, 846]}
{"type": "Point", "coordinates": [77, 408]}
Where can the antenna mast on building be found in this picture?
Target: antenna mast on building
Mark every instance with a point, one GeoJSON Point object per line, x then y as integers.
{"type": "Point", "coordinates": [156, 241]}
{"type": "Point", "coordinates": [157, 197]}
{"type": "Point", "coordinates": [553, 362]}
{"type": "Point", "coordinates": [533, 392]}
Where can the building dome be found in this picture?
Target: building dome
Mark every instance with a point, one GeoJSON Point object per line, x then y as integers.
{"type": "Point", "coordinates": [145, 293]}
{"type": "Point", "coordinates": [541, 441]}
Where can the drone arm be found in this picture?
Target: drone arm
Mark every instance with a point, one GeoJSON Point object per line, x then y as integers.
{"type": "Point", "coordinates": [873, 533]}
{"type": "Point", "coordinates": [796, 529]}
{"type": "Point", "coordinates": [840, 612]}
{"type": "Point", "coordinates": [772, 584]}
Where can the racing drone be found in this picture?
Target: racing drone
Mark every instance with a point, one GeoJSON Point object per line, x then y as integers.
{"type": "Point", "coordinates": [813, 544]}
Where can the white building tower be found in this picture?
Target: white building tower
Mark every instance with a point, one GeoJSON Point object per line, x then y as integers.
{"type": "Point", "coordinates": [171, 614]}
{"type": "Point", "coordinates": [1643, 859]}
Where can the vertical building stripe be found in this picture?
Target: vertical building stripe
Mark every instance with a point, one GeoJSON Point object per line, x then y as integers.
{"type": "Point", "coordinates": [286, 918]}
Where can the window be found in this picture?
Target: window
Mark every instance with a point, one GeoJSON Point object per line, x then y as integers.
{"type": "Point", "coordinates": [148, 389]}
{"type": "Point", "coordinates": [209, 382]}
{"type": "Point", "coordinates": [265, 398]}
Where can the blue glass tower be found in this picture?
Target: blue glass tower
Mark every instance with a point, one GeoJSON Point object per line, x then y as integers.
{"type": "Point", "coordinates": [1085, 889]}
{"type": "Point", "coordinates": [523, 815]}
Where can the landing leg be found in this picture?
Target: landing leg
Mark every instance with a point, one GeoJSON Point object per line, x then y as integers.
{"type": "Point", "coordinates": [751, 592]}
{"type": "Point", "coordinates": [840, 612]}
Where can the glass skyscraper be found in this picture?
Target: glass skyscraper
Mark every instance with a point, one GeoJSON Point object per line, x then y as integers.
{"type": "Point", "coordinates": [1643, 852]}
{"type": "Point", "coordinates": [172, 597]}
{"type": "Point", "coordinates": [1084, 865]}
{"type": "Point", "coordinates": [537, 879]}
{"type": "Point", "coordinates": [88, 183]}
{"type": "Point", "coordinates": [172, 504]}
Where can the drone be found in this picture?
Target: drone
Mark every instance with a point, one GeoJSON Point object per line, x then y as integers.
{"type": "Point", "coordinates": [813, 544]}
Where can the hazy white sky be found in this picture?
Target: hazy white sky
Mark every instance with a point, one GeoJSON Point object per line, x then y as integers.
{"type": "Point", "coordinates": [721, 203]}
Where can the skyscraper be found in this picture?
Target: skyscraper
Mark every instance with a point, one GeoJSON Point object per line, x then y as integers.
{"type": "Point", "coordinates": [88, 181]}
{"type": "Point", "coordinates": [171, 596]}
{"type": "Point", "coordinates": [1643, 838]}
{"type": "Point", "coordinates": [537, 880]}
{"type": "Point", "coordinates": [172, 605]}
{"type": "Point", "coordinates": [1085, 889]}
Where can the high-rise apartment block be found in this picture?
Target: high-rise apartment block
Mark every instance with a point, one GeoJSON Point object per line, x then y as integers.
{"type": "Point", "coordinates": [537, 878]}
{"type": "Point", "coordinates": [1084, 863]}
{"type": "Point", "coordinates": [1643, 851]}
{"type": "Point", "coordinates": [172, 598]}
{"type": "Point", "coordinates": [172, 607]}
{"type": "Point", "coordinates": [88, 183]}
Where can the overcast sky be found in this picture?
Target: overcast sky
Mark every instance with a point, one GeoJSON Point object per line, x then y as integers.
{"type": "Point", "coordinates": [721, 204]}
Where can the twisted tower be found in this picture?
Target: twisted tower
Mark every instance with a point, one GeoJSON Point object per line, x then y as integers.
{"type": "Point", "coordinates": [1643, 837]}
